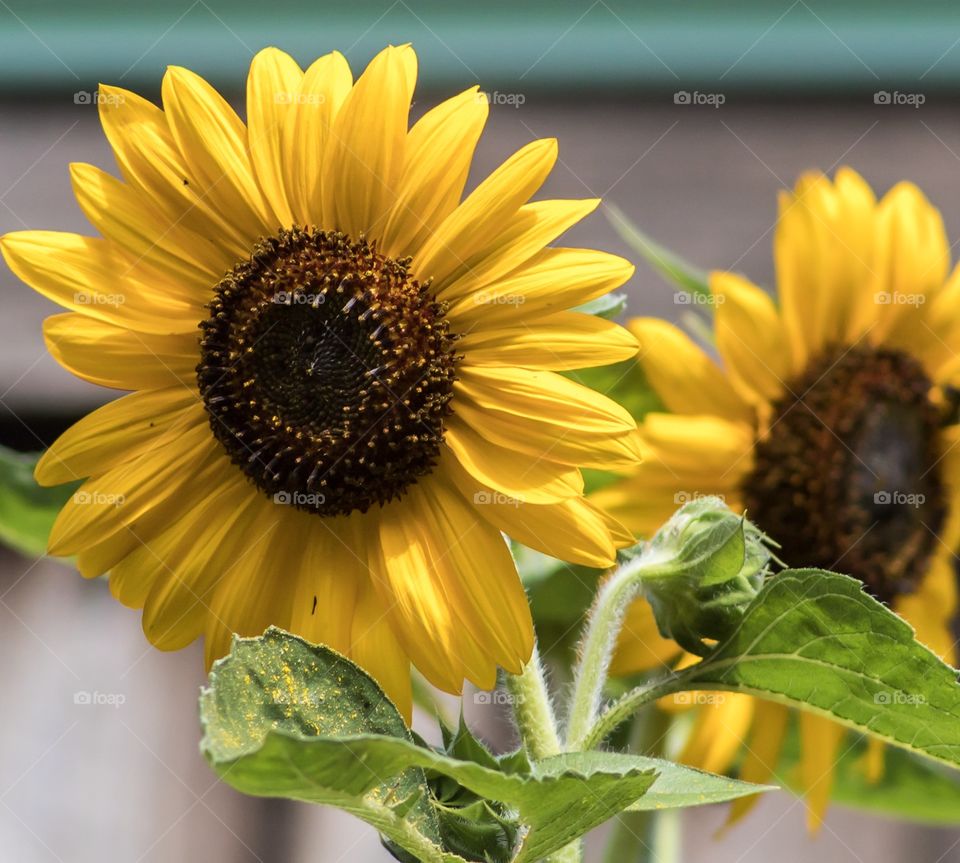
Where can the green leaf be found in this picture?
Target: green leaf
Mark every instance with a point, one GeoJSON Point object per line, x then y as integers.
{"type": "Point", "coordinates": [816, 639]}
{"type": "Point", "coordinates": [911, 788]}
{"type": "Point", "coordinates": [608, 306]}
{"type": "Point", "coordinates": [469, 822]}
{"type": "Point", "coordinates": [595, 786]}
{"type": "Point", "coordinates": [672, 267]}
{"type": "Point", "coordinates": [716, 553]}
{"type": "Point", "coordinates": [281, 719]}
{"type": "Point", "coordinates": [285, 718]}
{"type": "Point", "coordinates": [676, 786]}
{"type": "Point", "coordinates": [27, 510]}
{"type": "Point", "coordinates": [273, 695]}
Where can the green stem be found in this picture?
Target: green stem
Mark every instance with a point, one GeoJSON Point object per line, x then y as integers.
{"type": "Point", "coordinates": [533, 711]}
{"type": "Point", "coordinates": [600, 639]}
{"type": "Point", "coordinates": [667, 836]}
{"type": "Point", "coordinates": [630, 703]}
{"type": "Point", "coordinates": [533, 714]}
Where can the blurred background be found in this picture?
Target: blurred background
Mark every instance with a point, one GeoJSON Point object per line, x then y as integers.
{"type": "Point", "coordinates": [689, 117]}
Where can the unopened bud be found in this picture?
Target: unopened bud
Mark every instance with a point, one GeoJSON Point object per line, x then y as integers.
{"type": "Point", "coordinates": [709, 564]}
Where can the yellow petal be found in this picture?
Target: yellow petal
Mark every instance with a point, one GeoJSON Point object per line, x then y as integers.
{"type": "Point", "coordinates": [374, 646]}
{"type": "Point", "coordinates": [190, 560]}
{"type": "Point", "coordinates": [326, 579]}
{"type": "Point", "coordinates": [644, 500]}
{"type": "Point", "coordinates": [873, 760]}
{"type": "Point", "coordinates": [523, 236]}
{"type": "Point", "coordinates": [720, 732]}
{"type": "Point", "coordinates": [912, 263]}
{"type": "Point", "coordinates": [306, 134]}
{"type": "Point", "coordinates": [126, 216]}
{"type": "Point", "coordinates": [763, 752]}
{"type": "Point", "coordinates": [116, 357]}
{"type": "Point", "coordinates": [439, 150]}
{"type": "Point", "coordinates": [119, 497]}
{"type": "Point", "coordinates": [476, 222]}
{"type": "Point", "coordinates": [824, 247]}
{"type": "Point", "coordinates": [364, 158]}
{"type": "Point", "coordinates": [151, 162]}
{"type": "Point", "coordinates": [462, 608]}
{"type": "Point", "coordinates": [415, 581]}
{"type": "Point", "coordinates": [508, 472]}
{"type": "Point", "coordinates": [750, 338]}
{"type": "Point", "coordinates": [931, 608]}
{"type": "Point", "coordinates": [572, 530]}
{"type": "Point", "coordinates": [273, 86]}
{"type": "Point", "coordinates": [684, 377]}
{"type": "Point", "coordinates": [561, 341]}
{"type": "Point", "coordinates": [213, 143]}
{"type": "Point", "coordinates": [89, 275]}
{"type": "Point", "coordinates": [244, 601]}
{"type": "Point", "coordinates": [820, 740]}
{"type": "Point", "coordinates": [934, 330]}
{"type": "Point", "coordinates": [119, 539]}
{"type": "Point", "coordinates": [708, 448]}
{"type": "Point", "coordinates": [481, 574]}
{"type": "Point", "coordinates": [553, 280]}
{"type": "Point", "coordinates": [114, 434]}
{"type": "Point", "coordinates": [546, 415]}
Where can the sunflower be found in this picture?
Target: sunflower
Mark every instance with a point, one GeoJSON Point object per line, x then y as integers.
{"type": "Point", "coordinates": [344, 378]}
{"type": "Point", "coordinates": [830, 418]}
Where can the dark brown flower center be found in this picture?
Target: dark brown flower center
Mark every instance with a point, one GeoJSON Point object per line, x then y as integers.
{"type": "Point", "coordinates": [327, 371]}
{"type": "Point", "coordinates": [847, 477]}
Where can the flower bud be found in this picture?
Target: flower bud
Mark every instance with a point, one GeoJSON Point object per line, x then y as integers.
{"type": "Point", "coordinates": [707, 564]}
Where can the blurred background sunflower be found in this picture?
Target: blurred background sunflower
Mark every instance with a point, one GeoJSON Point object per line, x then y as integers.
{"type": "Point", "coordinates": [690, 119]}
{"type": "Point", "coordinates": [830, 417]}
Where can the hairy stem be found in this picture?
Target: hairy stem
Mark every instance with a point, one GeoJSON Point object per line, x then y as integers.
{"type": "Point", "coordinates": [628, 704]}
{"type": "Point", "coordinates": [600, 638]}
{"type": "Point", "coordinates": [532, 710]}
{"type": "Point", "coordinates": [534, 717]}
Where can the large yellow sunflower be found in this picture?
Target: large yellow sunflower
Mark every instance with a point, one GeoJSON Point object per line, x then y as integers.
{"type": "Point", "coordinates": [345, 378]}
{"type": "Point", "coordinates": [830, 417]}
